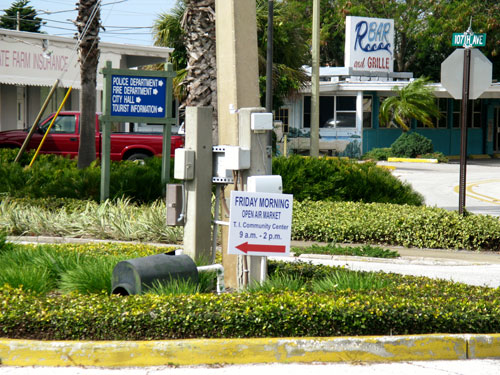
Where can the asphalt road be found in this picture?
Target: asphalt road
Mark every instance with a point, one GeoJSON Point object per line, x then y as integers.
{"type": "Point", "coordinates": [439, 183]}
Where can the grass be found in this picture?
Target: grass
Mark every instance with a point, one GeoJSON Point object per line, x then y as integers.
{"type": "Point", "coordinates": [336, 279]}
{"type": "Point", "coordinates": [91, 276]}
{"type": "Point", "coordinates": [29, 277]}
{"type": "Point", "coordinates": [332, 249]}
{"type": "Point", "coordinates": [82, 268]}
{"type": "Point", "coordinates": [353, 280]}
{"type": "Point", "coordinates": [88, 269]}
{"type": "Point", "coordinates": [276, 283]}
{"type": "Point", "coordinates": [174, 287]}
{"type": "Point", "coordinates": [49, 267]}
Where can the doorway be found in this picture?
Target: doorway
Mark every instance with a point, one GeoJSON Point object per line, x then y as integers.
{"type": "Point", "coordinates": [21, 107]}
{"type": "Point", "coordinates": [496, 127]}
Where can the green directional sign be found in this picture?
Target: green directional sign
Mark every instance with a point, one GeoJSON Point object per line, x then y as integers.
{"type": "Point", "coordinates": [468, 40]}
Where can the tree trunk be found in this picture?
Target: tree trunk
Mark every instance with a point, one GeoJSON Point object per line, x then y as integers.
{"type": "Point", "coordinates": [88, 55]}
{"type": "Point", "coordinates": [201, 81]}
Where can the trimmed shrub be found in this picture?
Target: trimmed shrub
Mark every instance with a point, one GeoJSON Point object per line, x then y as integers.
{"type": "Point", "coordinates": [53, 176]}
{"type": "Point", "coordinates": [378, 154]}
{"type": "Point", "coordinates": [403, 308]}
{"type": "Point", "coordinates": [411, 144]}
{"type": "Point", "coordinates": [423, 227]}
{"type": "Point", "coordinates": [330, 179]}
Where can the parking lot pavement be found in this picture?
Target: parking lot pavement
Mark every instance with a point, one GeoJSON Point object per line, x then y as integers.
{"type": "Point", "coordinates": [438, 183]}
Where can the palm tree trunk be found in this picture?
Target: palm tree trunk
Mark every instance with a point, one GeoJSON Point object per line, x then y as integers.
{"type": "Point", "coordinates": [88, 16]}
{"type": "Point", "coordinates": [201, 81]}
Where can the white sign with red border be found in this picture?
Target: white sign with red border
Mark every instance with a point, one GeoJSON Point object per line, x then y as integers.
{"type": "Point", "coordinates": [260, 224]}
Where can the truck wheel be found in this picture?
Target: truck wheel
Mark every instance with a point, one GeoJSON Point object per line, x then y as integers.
{"type": "Point", "coordinates": [138, 157]}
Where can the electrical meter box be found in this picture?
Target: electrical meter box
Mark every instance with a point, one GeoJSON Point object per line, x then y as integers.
{"type": "Point", "coordinates": [265, 184]}
{"type": "Point", "coordinates": [175, 204]}
{"type": "Point", "coordinates": [184, 164]}
{"type": "Point", "coordinates": [261, 121]}
{"type": "Point", "coordinates": [236, 158]}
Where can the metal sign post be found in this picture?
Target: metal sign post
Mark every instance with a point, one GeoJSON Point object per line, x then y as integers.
{"type": "Point", "coordinates": [463, 131]}
{"type": "Point", "coordinates": [136, 96]}
{"type": "Point", "coordinates": [476, 71]}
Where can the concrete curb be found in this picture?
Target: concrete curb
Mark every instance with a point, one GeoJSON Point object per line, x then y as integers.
{"type": "Point", "coordinates": [246, 351]}
{"type": "Point", "coordinates": [412, 160]}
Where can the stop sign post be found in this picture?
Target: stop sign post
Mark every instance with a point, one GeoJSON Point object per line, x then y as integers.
{"type": "Point", "coordinates": [476, 72]}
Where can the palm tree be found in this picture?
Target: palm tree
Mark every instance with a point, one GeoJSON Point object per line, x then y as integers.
{"type": "Point", "coordinates": [414, 101]}
{"type": "Point", "coordinates": [169, 33]}
{"type": "Point", "coordinates": [190, 29]}
{"type": "Point", "coordinates": [186, 28]}
{"type": "Point", "coordinates": [88, 23]}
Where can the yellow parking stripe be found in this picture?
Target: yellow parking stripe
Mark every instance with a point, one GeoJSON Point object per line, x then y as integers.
{"type": "Point", "coordinates": [479, 196]}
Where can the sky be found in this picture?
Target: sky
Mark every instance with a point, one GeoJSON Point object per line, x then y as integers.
{"type": "Point", "coordinates": [126, 21]}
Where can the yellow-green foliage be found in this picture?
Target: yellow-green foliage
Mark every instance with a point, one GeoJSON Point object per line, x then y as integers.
{"type": "Point", "coordinates": [404, 308]}
{"type": "Point", "coordinates": [404, 225]}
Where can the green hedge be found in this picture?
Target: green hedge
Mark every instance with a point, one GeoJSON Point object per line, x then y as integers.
{"type": "Point", "coordinates": [404, 225]}
{"type": "Point", "coordinates": [405, 309]}
{"type": "Point", "coordinates": [330, 179]}
{"type": "Point", "coordinates": [318, 179]}
{"type": "Point", "coordinates": [55, 176]}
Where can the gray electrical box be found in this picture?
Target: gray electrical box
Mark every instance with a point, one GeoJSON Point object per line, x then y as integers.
{"type": "Point", "coordinates": [175, 205]}
{"type": "Point", "coordinates": [184, 164]}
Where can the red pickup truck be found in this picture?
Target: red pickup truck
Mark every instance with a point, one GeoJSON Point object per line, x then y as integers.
{"type": "Point", "coordinates": [64, 138]}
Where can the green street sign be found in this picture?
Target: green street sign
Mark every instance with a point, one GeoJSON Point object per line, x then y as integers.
{"type": "Point", "coordinates": [468, 40]}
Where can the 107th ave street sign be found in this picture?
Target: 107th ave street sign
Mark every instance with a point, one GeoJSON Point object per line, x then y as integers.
{"type": "Point", "coordinates": [468, 40]}
{"type": "Point", "coordinates": [260, 224]}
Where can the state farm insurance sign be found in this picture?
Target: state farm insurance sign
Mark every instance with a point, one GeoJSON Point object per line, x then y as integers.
{"type": "Point", "coordinates": [369, 44]}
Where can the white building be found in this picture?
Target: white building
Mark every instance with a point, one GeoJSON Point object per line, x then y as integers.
{"type": "Point", "coordinates": [30, 63]}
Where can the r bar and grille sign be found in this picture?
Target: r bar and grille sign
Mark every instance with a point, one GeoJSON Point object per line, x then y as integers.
{"type": "Point", "coordinates": [468, 40]}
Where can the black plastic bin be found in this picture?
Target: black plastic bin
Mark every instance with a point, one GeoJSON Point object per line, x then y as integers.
{"type": "Point", "coordinates": [134, 276]}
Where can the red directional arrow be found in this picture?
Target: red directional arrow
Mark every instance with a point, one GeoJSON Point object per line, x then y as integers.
{"type": "Point", "coordinates": [248, 248]}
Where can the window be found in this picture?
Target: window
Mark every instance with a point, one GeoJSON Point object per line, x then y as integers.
{"type": "Point", "coordinates": [390, 124]}
{"type": "Point", "coordinates": [367, 112]}
{"type": "Point", "coordinates": [62, 125]}
{"type": "Point", "coordinates": [283, 115]}
{"type": "Point", "coordinates": [335, 112]}
{"type": "Point", "coordinates": [442, 121]}
{"type": "Point", "coordinates": [345, 112]}
{"type": "Point", "coordinates": [473, 113]}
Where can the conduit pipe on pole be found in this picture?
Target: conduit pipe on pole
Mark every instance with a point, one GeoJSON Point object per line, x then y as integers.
{"type": "Point", "coordinates": [35, 123]}
{"type": "Point", "coordinates": [50, 126]}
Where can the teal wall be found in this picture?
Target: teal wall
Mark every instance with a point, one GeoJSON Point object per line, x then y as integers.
{"type": "Point", "coordinates": [445, 140]}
